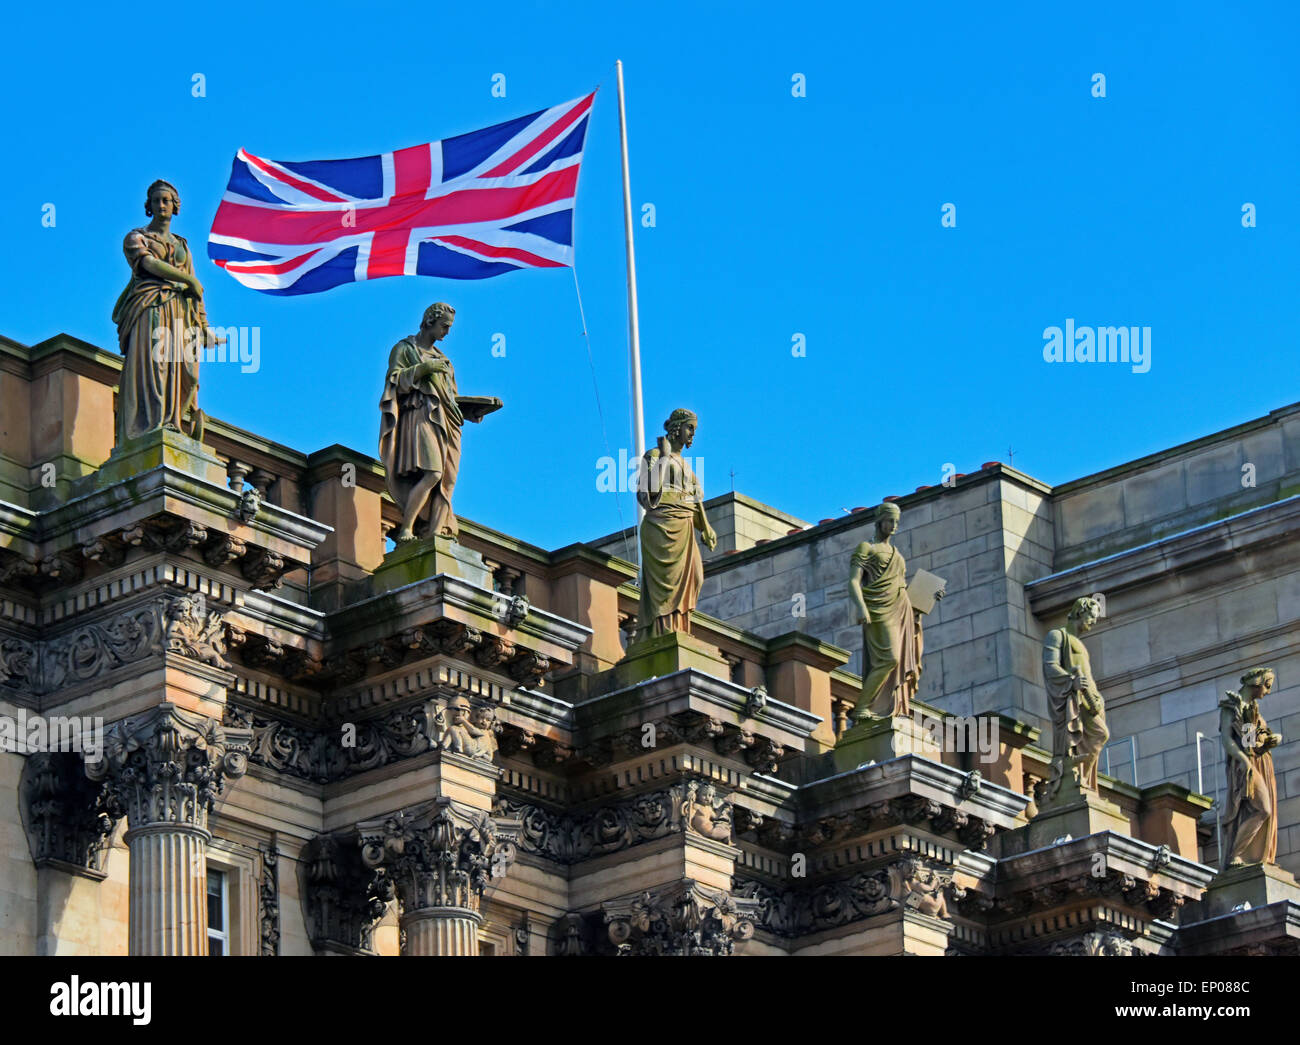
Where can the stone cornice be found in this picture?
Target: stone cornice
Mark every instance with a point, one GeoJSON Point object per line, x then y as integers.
{"type": "Point", "coordinates": [690, 690]}
{"type": "Point", "coordinates": [60, 352]}
{"type": "Point", "coordinates": [433, 596]}
{"type": "Point", "coordinates": [1176, 553]}
{"type": "Point", "coordinates": [1270, 930]}
{"type": "Point", "coordinates": [919, 778]}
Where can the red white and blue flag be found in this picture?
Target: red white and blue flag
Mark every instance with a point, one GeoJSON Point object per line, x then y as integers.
{"type": "Point", "coordinates": [477, 205]}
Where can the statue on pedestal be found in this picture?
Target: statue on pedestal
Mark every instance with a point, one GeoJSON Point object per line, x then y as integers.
{"type": "Point", "coordinates": [672, 568]}
{"type": "Point", "coordinates": [419, 431]}
{"type": "Point", "coordinates": [1250, 810]}
{"type": "Point", "coordinates": [891, 625]}
{"type": "Point", "coordinates": [162, 328]}
{"type": "Point", "coordinates": [1079, 729]}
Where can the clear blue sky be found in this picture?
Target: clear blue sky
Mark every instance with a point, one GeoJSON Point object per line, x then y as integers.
{"type": "Point", "coordinates": [776, 215]}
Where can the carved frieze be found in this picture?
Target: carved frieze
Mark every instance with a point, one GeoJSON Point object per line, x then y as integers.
{"type": "Point", "coordinates": [457, 725]}
{"type": "Point", "coordinates": [909, 884]}
{"type": "Point", "coordinates": [177, 624]}
{"type": "Point", "coordinates": [569, 838]}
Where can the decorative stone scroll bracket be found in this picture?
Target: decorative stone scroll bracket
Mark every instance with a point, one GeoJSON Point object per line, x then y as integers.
{"type": "Point", "coordinates": [342, 900]}
{"type": "Point", "coordinates": [68, 818]}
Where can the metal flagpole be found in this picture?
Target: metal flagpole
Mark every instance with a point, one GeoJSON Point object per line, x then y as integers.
{"type": "Point", "coordinates": [634, 329]}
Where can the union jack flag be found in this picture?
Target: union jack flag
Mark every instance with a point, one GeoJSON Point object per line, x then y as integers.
{"type": "Point", "coordinates": [477, 205]}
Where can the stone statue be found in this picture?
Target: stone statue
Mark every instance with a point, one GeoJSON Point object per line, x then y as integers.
{"type": "Point", "coordinates": [891, 626]}
{"type": "Point", "coordinates": [466, 730]}
{"type": "Point", "coordinates": [672, 568]}
{"type": "Point", "coordinates": [419, 433]}
{"type": "Point", "coordinates": [1078, 712]}
{"type": "Point", "coordinates": [705, 813]}
{"type": "Point", "coordinates": [162, 328]}
{"type": "Point", "coordinates": [1250, 810]}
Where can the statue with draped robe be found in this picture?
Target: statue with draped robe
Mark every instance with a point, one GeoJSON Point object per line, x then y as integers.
{"type": "Point", "coordinates": [162, 328]}
{"type": "Point", "coordinates": [1079, 731]}
{"type": "Point", "coordinates": [891, 626]}
{"type": "Point", "coordinates": [1250, 811]}
{"type": "Point", "coordinates": [672, 568]}
{"type": "Point", "coordinates": [419, 434]}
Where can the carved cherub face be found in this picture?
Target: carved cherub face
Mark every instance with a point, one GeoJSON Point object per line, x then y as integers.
{"type": "Point", "coordinates": [458, 711]}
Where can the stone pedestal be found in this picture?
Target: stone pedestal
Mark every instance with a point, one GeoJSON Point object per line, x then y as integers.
{"type": "Point", "coordinates": [1077, 814]}
{"type": "Point", "coordinates": [415, 561]}
{"type": "Point", "coordinates": [880, 739]}
{"type": "Point", "coordinates": [662, 655]}
{"type": "Point", "coordinates": [169, 890]}
{"type": "Point", "coordinates": [160, 447]}
{"type": "Point", "coordinates": [1255, 884]}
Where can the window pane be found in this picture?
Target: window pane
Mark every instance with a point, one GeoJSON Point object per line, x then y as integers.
{"type": "Point", "coordinates": [216, 948]}
{"type": "Point", "coordinates": [216, 914]}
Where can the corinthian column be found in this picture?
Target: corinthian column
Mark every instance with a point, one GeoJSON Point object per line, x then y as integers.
{"type": "Point", "coordinates": [164, 770]}
{"type": "Point", "coordinates": [439, 858]}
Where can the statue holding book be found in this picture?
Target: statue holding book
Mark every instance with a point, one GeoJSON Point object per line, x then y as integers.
{"type": "Point", "coordinates": [421, 416]}
{"type": "Point", "coordinates": [890, 612]}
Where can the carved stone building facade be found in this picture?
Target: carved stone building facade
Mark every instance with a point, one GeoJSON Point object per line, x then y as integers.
{"type": "Point", "coordinates": [312, 746]}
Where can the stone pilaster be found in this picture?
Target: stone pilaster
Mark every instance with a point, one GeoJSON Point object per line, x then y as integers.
{"type": "Point", "coordinates": [440, 857]}
{"type": "Point", "coordinates": [164, 769]}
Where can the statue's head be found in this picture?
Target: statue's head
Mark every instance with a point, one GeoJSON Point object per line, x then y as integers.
{"type": "Point", "coordinates": [162, 198]}
{"type": "Point", "coordinates": [439, 316]}
{"type": "Point", "coordinates": [1260, 678]}
{"type": "Point", "coordinates": [458, 710]}
{"type": "Point", "coordinates": [681, 426]}
{"type": "Point", "coordinates": [888, 516]}
{"type": "Point", "coordinates": [1085, 612]}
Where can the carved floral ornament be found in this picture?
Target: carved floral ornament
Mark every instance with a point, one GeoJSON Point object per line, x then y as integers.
{"type": "Point", "coordinates": [439, 854]}
{"type": "Point", "coordinates": [679, 920]}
